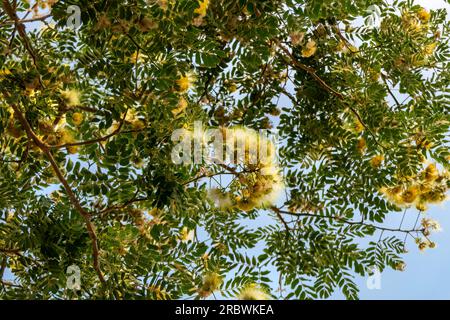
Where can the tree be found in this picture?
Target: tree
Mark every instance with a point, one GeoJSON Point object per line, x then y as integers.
{"type": "Point", "coordinates": [88, 114]}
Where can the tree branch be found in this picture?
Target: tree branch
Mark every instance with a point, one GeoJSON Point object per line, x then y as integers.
{"type": "Point", "coordinates": [326, 87]}
{"type": "Point", "coordinates": [20, 27]}
{"type": "Point", "coordinates": [9, 284]}
{"type": "Point", "coordinates": [311, 72]}
{"type": "Point", "coordinates": [73, 199]}
{"type": "Point", "coordinates": [278, 213]}
{"type": "Point", "coordinates": [10, 251]}
{"type": "Point", "coordinates": [3, 267]}
{"type": "Point", "coordinates": [39, 18]}
{"type": "Point", "coordinates": [87, 142]}
{"type": "Point", "coordinates": [383, 76]}
{"type": "Point", "coordinates": [345, 221]}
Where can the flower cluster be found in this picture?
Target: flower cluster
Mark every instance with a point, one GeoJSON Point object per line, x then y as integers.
{"type": "Point", "coordinates": [71, 97]}
{"type": "Point", "coordinates": [429, 187]}
{"type": "Point", "coordinates": [310, 49]}
{"type": "Point", "coordinates": [186, 235]}
{"type": "Point", "coordinates": [185, 82]}
{"type": "Point", "coordinates": [53, 130]}
{"type": "Point", "coordinates": [201, 12]}
{"type": "Point", "coordinates": [211, 282]}
{"type": "Point", "coordinates": [253, 292]}
{"type": "Point", "coordinates": [259, 183]}
{"type": "Point", "coordinates": [425, 243]}
{"type": "Point", "coordinates": [428, 226]}
{"type": "Point", "coordinates": [416, 21]}
{"type": "Point", "coordinates": [376, 161]}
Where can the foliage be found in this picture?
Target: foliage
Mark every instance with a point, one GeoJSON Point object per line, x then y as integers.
{"type": "Point", "coordinates": [86, 118]}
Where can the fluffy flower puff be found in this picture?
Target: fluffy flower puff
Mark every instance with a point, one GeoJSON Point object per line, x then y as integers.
{"type": "Point", "coordinates": [253, 292]}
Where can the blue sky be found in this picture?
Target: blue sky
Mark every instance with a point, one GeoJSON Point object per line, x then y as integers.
{"type": "Point", "coordinates": [427, 275]}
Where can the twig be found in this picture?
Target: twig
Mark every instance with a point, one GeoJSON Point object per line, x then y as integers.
{"type": "Point", "coordinates": [9, 284]}
{"type": "Point", "coordinates": [3, 267]}
{"type": "Point", "coordinates": [278, 213]}
{"type": "Point", "coordinates": [328, 88]}
{"type": "Point", "coordinates": [97, 140]}
{"type": "Point", "coordinates": [21, 30]}
{"type": "Point", "coordinates": [345, 221]}
{"type": "Point", "coordinates": [87, 142]}
{"type": "Point", "coordinates": [390, 91]}
{"type": "Point", "coordinates": [311, 72]}
{"type": "Point", "coordinates": [39, 18]}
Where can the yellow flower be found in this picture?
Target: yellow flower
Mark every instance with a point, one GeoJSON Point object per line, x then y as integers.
{"type": "Point", "coordinates": [401, 266]}
{"type": "Point", "coordinates": [359, 127]}
{"type": "Point", "coordinates": [361, 145]}
{"type": "Point", "coordinates": [186, 234]}
{"type": "Point", "coordinates": [423, 246]}
{"type": "Point", "coordinates": [434, 196]}
{"type": "Point", "coordinates": [73, 149]}
{"type": "Point", "coordinates": [138, 124]}
{"type": "Point", "coordinates": [4, 72]}
{"type": "Point", "coordinates": [185, 82]}
{"type": "Point", "coordinates": [137, 57]}
{"type": "Point", "coordinates": [66, 137]}
{"type": "Point", "coordinates": [211, 282]}
{"type": "Point", "coordinates": [246, 204]}
{"type": "Point", "coordinates": [77, 118]}
{"type": "Point", "coordinates": [431, 173]}
{"type": "Point", "coordinates": [221, 200]}
{"type": "Point", "coordinates": [253, 292]}
{"type": "Point", "coordinates": [423, 15]}
{"type": "Point", "coordinates": [130, 116]}
{"type": "Point", "coordinates": [410, 194]}
{"type": "Point", "coordinates": [262, 184]}
{"type": "Point", "coordinates": [310, 49]}
{"type": "Point", "coordinates": [429, 49]}
{"type": "Point", "coordinates": [71, 97]}
{"type": "Point", "coordinates": [393, 194]}
{"type": "Point", "coordinates": [182, 105]}
{"type": "Point", "coordinates": [203, 7]}
{"type": "Point", "coordinates": [267, 190]}
{"type": "Point", "coordinates": [297, 38]}
{"type": "Point", "coordinates": [377, 161]}
{"type": "Point", "coordinates": [421, 206]}
{"type": "Point", "coordinates": [432, 224]}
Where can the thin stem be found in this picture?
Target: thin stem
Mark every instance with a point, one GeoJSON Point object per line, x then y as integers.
{"type": "Point", "coordinates": [344, 221]}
